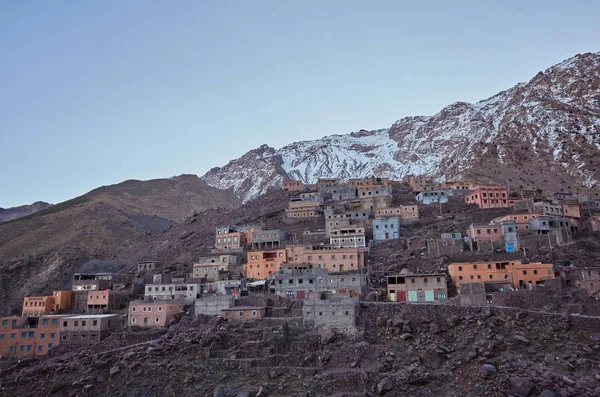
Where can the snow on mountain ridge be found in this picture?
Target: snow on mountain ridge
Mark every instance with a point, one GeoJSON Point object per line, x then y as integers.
{"type": "Point", "coordinates": [546, 129]}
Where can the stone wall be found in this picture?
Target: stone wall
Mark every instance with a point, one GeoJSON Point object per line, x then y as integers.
{"type": "Point", "coordinates": [211, 306]}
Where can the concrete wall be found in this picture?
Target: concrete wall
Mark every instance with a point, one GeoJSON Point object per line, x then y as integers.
{"type": "Point", "coordinates": [212, 306]}
{"type": "Point", "coordinates": [333, 312]}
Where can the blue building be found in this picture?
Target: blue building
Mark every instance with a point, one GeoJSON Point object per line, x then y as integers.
{"type": "Point", "coordinates": [386, 229]}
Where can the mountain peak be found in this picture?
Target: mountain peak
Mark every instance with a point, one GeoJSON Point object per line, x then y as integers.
{"type": "Point", "coordinates": [524, 135]}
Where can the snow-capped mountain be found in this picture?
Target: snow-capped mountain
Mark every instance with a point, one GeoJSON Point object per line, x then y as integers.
{"type": "Point", "coordinates": [541, 134]}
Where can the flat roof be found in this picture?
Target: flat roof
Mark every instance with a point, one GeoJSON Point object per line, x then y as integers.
{"type": "Point", "coordinates": [90, 316]}
{"type": "Point", "coordinates": [235, 308]}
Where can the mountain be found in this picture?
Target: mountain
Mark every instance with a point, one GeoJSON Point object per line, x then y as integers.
{"type": "Point", "coordinates": [541, 134]}
{"type": "Point", "coordinates": [40, 252]}
{"type": "Point", "coordinates": [8, 214]}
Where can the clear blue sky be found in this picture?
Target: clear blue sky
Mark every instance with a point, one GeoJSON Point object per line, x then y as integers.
{"type": "Point", "coordinates": [93, 93]}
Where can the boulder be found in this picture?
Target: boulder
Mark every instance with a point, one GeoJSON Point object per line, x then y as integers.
{"type": "Point", "coordinates": [452, 321]}
{"type": "Point", "coordinates": [521, 385]}
{"type": "Point", "coordinates": [521, 338]}
{"type": "Point", "coordinates": [488, 370]}
{"type": "Point", "coordinates": [385, 385]}
{"type": "Point", "coordinates": [432, 358]}
{"type": "Point", "coordinates": [327, 336]}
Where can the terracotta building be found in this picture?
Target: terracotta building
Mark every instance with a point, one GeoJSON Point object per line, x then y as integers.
{"type": "Point", "coordinates": [263, 263]}
{"type": "Point", "coordinates": [28, 336]}
{"type": "Point", "coordinates": [486, 233]}
{"type": "Point", "coordinates": [333, 259]}
{"type": "Point", "coordinates": [108, 299]}
{"type": "Point", "coordinates": [521, 220]}
{"type": "Point", "coordinates": [243, 313]}
{"type": "Point", "coordinates": [519, 274]}
{"type": "Point", "coordinates": [572, 209]}
{"type": "Point", "coordinates": [292, 186]}
{"type": "Point", "coordinates": [417, 287]}
{"type": "Point", "coordinates": [152, 314]}
{"type": "Point", "coordinates": [230, 241]}
{"type": "Point", "coordinates": [38, 305]}
{"type": "Point", "coordinates": [488, 196]}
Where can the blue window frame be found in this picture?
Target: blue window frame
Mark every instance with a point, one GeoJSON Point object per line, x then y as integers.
{"type": "Point", "coordinates": [1, 336]}
{"type": "Point", "coordinates": [22, 348]}
{"type": "Point", "coordinates": [52, 336]}
{"type": "Point", "coordinates": [40, 348]}
{"type": "Point", "coordinates": [31, 334]}
{"type": "Point", "coordinates": [54, 321]}
{"type": "Point", "coordinates": [42, 335]}
{"type": "Point", "coordinates": [23, 334]}
{"type": "Point", "coordinates": [45, 321]}
{"type": "Point", "coordinates": [12, 336]}
{"type": "Point", "coordinates": [28, 348]}
{"type": "Point", "coordinates": [11, 349]}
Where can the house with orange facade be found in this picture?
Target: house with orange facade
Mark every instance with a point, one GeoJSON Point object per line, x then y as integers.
{"type": "Point", "coordinates": [488, 196]}
{"type": "Point", "coordinates": [292, 186]}
{"type": "Point", "coordinates": [520, 219]}
{"type": "Point", "coordinates": [519, 275]}
{"type": "Point", "coordinates": [229, 240]}
{"type": "Point", "coordinates": [152, 314]}
{"type": "Point", "coordinates": [39, 305]}
{"type": "Point", "coordinates": [263, 263]}
{"type": "Point", "coordinates": [487, 233]}
{"type": "Point", "coordinates": [572, 209]}
{"type": "Point", "coordinates": [28, 336]}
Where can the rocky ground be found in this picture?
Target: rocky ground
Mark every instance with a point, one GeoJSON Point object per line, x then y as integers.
{"type": "Point", "coordinates": [397, 350]}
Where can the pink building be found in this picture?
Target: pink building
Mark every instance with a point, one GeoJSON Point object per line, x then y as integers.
{"type": "Point", "coordinates": [489, 196]}
{"type": "Point", "coordinates": [152, 313]}
{"type": "Point", "coordinates": [292, 186]}
{"type": "Point", "coordinates": [485, 232]}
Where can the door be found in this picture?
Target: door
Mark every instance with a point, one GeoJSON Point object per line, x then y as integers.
{"type": "Point", "coordinates": [300, 294]}
{"type": "Point", "coordinates": [509, 247]}
{"type": "Point", "coordinates": [428, 295]}
{"type": "Point", "coordinates": [393, 296]}
{"type": "Point", "coordinates": [387, 236]}
{"type": "Point", "coordinates": [412, 296]}
{"type": "Point", "coordinates": [441, 295]}
{"type": "Point", "coordinates": [401, 296]}
{"type": "Point", "coordinates": [341, 268]}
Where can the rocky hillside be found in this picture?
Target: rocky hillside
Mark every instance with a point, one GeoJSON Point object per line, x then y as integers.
{"type": "Point", "coordinates": [544, 133]}
{"type": "Point", "coordinates": [8, 214]}
{"type": "Point", "coordinates": [39, 252]}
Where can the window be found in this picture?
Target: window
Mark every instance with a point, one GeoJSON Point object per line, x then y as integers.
{"type": "Point", "coordinates": [475, 267]}
{"type": "Point", "coordinates": [49, 346]}
{"type": "Point", "coordinates": [11, 349]}
{"type": "Point", "coordinates": [479, 277]}
{"type": "Point", "coordinates": [22, 348]}
{"type": "Point", "coordinates": [160, 308]}
{"type": "Point", "coordinates": [4, 323]}
{"type": "Point", "coordinates": [64, 337]}
{"type": "Point", "coordinates": [490, 276]}
{"type": "Point", "coordinates": [412, 280]}
{"type": "Point", "coordinates": [439, 280]}
{"type": "Point", "coordinates": [489, 266]}
{"type": "Point", "coordinates": [320, 313]}
{"type": "Point", "coordinates": [253, 313]}
{"type": "Point", "coordinates": [76, 323]}
{"type": "Point", "coordinates": [472, 277]}
{"type": "Point", "coordinates": [23, 334]}
{"type": "Point", "coordinates": [157, 320]}
{"type": "Point", "coordinates": [45, 321]}
{"type": "Point", "coordinates": [83, 323]}
{"type": "Point", "coordinates": [133, 308]}
{"type": "Point", "coordinates": [535, 272]}
{"type": "Point", "coordinates": [40, 348]}
{"type": "Point", "coordinates": [549, 271]}
{"type": "Point", "coordinates": [425, 280]}
{"type": "Point", "coordinates": [52, 335]}
{"type": "Point", "coordinates": [42, 335]}
{"type": "Point", "coordinates": [133, 319]}
{"type": "Point", "coordinates": [460, 268]}
{"type": "Point", "coordinates": [524, 271]}
{"type": "Point", "coordinates": [28, 348]}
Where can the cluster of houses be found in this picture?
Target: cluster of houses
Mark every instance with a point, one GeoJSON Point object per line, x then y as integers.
{"type": "Point", "coordinates": [327, 270]}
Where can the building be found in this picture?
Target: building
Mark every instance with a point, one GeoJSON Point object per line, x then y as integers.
{"type": "Point", "coordinates": [438, 195]}
{"type": "Point", "coordinates": [459, 185]}
{"type": "Point", "coordinates": [152, 313]}
{"type": "Point", "coordinates": [262, 263]}
{"type": "Point", "coordinates": [486, 233]}
{"type": "Point", "coordinates": [376, 191]}
{"type": "Point", "coordinates": [297, 284]}
{"type": "Point", "coordinates": [417, 287]}
{"type": "Point", "coordinates": [333, 311]}
{"type": "Point", "coordinates": [324, 257]}
{"type": "Point", "coordinates": [420, 183]}
{"type": "Point", "coordinates": [39, 305]}
{"type": "Point", "coordinates": [28, 336]}
{"type": "Point", "coordinates": [303, 209]}
{"type": "Point", "coordinates": [572, 209]}
{"type": "Point", "coordinates": [448, 244]}
{"type": "Point", "coordinates": [267, 239]}
{"type": "Point", "coordinates": [108, 299]}
{"type": "Point", "coordinates": [374, 203]}
{"type": "Point", "coordinates": [557, 228]}
{"type": "Point", "coordinates": [231, 240]}
{"type": "Point", "coordinates": [406, 213]}
{"type": "Point", "coordinates": [292, 186]}
{"type": "Point", "coordinates": [521, 221]}
{"type": "Point", "coordinates": [243, 313]}
{"type": "Point", "coordinates": [488, 196]}
{"type": "Point", "coordinates": [343, 193]}
{"type": "Point", "coordinates": [587, 278]}
{"type": "Point", "coordinates": [548, 208]}
{"type": "Point", "coordinates": [85, 282]}
{"type": "Point", "coordinates": [351, 236]}
{"type": "Point", "coordinates": [519, 274]}
{"type": "Point", "coordinates": [509, 232]}
{"type": "Point", "coordinates": [212, 267]}
{"type": "Point", "coordinates": [185, 292]}
{"type": "Point", "coordinates": [326, 185]}
{"type": "Point", "coordinates": [88, 329]}
{"type": "Point", "coordinates": [368, 182]}
{"type": "Point", "coordinates": [146, 266]}
{"type": "Point", "coordinates": [212, 305]}
{"type": "Point", "coordinates": [386, 229]}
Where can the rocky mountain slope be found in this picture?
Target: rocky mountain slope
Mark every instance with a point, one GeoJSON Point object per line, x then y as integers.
{"type": "Point", "coordinates": [39, 252]}
{"type": "Point", "coordinates": [8, 214]}
{"type": "Point", "coordinates": [544, 133]}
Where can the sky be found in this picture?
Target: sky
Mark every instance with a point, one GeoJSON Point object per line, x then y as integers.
{"type": "Point", "coordinates": [94, 93]}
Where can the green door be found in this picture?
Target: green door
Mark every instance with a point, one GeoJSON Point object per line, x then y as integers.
{"type": "Point", "coordinates": [428, 296]}
{"type": "Point", "coordinates": [412, 296]}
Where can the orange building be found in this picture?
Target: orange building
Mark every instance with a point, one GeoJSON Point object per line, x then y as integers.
{"type": "Point", "coordinates": [28, 336]}
{"type": "Point", "coordinates": [38, 305]}
{"type": "Point", "coordinates": [152, 314]}
{"type": "Point", "coordinates": [488, 196]}
{"type": "Point", "coordinates": [228, 241]}
{"type": "Point", "coordinates": [519, 274]}
{"type": "Point", "coordinates": [263, 263]}
{"type": "Point", "coordinates": [460, 185]}
{"type": "Point", "coordinates": [292, 186]}
{"type": "Point", "coordinates": [522, 221]}
{"type": "Point", "coordinates": [333, 259]}
{"type": "Point", "coordinates": [108, 299]}
{"type": "Point", "coordinates": [368, 182]}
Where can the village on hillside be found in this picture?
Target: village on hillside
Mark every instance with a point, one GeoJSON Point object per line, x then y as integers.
{"type": "Point", "coordinates": [320, 276]}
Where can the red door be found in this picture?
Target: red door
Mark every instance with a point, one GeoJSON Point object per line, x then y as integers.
{"type": "Point", "coordinates": [401, 296]}
{"type": "Point", "coordinates": [300, 294]}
